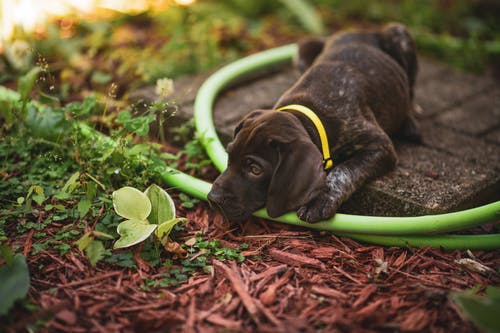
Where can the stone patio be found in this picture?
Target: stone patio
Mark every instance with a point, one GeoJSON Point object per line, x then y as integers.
{"type": "Point", "coordinates": [456, 167]}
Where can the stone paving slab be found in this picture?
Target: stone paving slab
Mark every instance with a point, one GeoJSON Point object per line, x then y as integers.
{"type": "Point", "coordinates": [457, 166]}
{"type": "Point", "coordinates": [467, 147]}
{"type": "Point", "coordinates": [475, 116]}
{"type": "Point", "coordinates": [443, 88]}
{"type": "Point", "coordinates": [493, 137]}
{"type": "Point", "coordinates": [425, 181]}
{"type": "Point", "coordinates": [428, 69]}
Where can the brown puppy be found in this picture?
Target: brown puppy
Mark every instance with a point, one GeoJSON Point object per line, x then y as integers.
{"type": "Point", "coordinates": [360, 85]}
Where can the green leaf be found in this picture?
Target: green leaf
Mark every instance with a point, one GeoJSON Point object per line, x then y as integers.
{"type": "Point", "coordinates": [15, 282]}
{"type": "Point", "coordinates": [84, 241]}
{"type": "Point", "coordinates": [70, 184]}
{"type": "Point", "coordinates": [306, 15]}
{"type": "Point", "coordinates": [133, 232]}
{"type": "Point", "coordinates": [100, 77]}
{"type": "Point", "coordinates": [102, 235]}
{"type": "Point", "coordinates": [138, 125]}
{"type": "Point", "coordinates": [95, 251]}
{"type": "Point", "coordinates": [46, 122]}
{"type": "Point", "coordinates": [90, 191]}
{"type": "Point", "coordinates": [123, 117]}
{"type": "Point", "coordinates": [162, 205]}
{"type": "Point", "coordinates": [27, 82]}
{"type": "Point", "coordinates": [6, 253]}
{"type": "Point", "coordinates": [166, 227]}
{"type": "Point", "coordinates": [493, 293]}
{"type": "Point", "coordinates": [83, 207]}
{"type": "Point", "coordinates": [131, 203]}
{"type": "Point", "coordinates": [483, 311]}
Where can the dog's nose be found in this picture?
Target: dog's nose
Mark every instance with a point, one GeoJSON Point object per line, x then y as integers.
{"type": "Point", "coordinates": [215, 196]}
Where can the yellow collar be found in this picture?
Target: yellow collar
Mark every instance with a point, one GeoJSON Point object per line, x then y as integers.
{"type": "Point", "coordinates": [327, 159]}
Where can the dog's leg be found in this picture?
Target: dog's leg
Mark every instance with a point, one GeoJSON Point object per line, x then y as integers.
{"type": "Point", "coordinates": [409, 131]}
{"type": "Point", "coordinates": [371, 161]}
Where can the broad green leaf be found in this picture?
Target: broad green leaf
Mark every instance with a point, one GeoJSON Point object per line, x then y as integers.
{"type": "Point", "coordinates": [483, 311]}
{"type": "Point", "coordinates": [46, 122]}
{"type": "Point", "coordinates": [95, 251]}
{"type": "Point", "coordinates": [493, 293]}
{"type": "Point", "coordinates": [131, 203]}
{"type": "Point", "coordinates": [133, 232]}
{"type": "Point", "coordinates": [15, 282]}
{"type": "Point", "coordinates": [166, 227]}
{"type": "Point", "coordinates": [162, 205]}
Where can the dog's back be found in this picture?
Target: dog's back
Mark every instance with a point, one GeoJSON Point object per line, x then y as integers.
{"type": "Point", "coordinates": [394, 39]}
{"type": "Point", "coordinates": [377, 69]}
{"type": "Point", "coordinates": [383, 83]}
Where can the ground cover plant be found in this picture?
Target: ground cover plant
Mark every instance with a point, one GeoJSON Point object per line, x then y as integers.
{"type": "Point", "coordinates": [60, 267]}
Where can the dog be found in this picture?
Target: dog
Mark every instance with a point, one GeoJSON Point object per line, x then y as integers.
{"type": "Point", "coordinates": [359, 85]}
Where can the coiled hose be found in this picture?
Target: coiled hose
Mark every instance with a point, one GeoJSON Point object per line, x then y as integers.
{"type": "Point", "coordinates": [391, 231]}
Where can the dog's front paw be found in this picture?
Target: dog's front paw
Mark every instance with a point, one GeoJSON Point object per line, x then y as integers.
{"type": "Point", "coordinates": [323, 207]}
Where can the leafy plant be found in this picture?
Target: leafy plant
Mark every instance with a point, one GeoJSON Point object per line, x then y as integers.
{"type": "Point", "coordinates": [146, 212]}
{"type": "Point", "coordinates": [94, 248]}
{"type": "Point", "coordinates": [213, 248]}
{"type": "Point", "coordinates": [482, 310]}
{"type": "Point", "coordinates": [187, 201]}
{"type": "Point", "coordinates": [15, 278]}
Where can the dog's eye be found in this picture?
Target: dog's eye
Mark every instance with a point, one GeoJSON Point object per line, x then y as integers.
{"type": "Point", "coordinates": [254, 168]}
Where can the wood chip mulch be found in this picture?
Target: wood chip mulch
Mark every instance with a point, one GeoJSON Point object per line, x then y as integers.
{"type": "Point", "coordinates": [292, 280]}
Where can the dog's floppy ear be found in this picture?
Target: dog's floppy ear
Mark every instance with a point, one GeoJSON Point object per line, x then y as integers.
{"type": "Point", "coordinates": [298, 177]}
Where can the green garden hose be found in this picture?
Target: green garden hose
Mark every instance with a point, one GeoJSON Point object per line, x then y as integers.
{"type": "Point", "coordinates": [389, 231]}
{"type": "Point", "coordinates": [344, 225]}
{"type": "Point", "coordinates": [395, 231]}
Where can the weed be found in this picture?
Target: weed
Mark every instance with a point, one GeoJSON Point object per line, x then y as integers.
{"type": "Point", "coordinates": [199, 255]}
{"type": "Point", "coordinates": [212, 248]}
{"type": "Point", "coordinates": [187, 201]}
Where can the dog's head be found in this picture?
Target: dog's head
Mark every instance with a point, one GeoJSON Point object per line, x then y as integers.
{"type": "Point", "coordinates": [272, 163]}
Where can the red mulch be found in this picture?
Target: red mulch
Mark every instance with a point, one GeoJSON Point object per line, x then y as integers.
{"type": "Point", "coordinates": [293, 280]}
